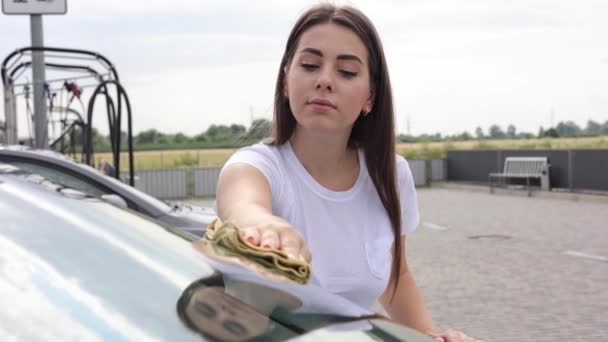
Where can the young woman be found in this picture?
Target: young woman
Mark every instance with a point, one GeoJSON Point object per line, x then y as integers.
{"type": "Point", "coordinates": [328, 186]}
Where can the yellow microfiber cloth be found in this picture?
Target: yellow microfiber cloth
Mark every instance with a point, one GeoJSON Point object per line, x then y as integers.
{"type": "Point", "coordinates": [223, 242]}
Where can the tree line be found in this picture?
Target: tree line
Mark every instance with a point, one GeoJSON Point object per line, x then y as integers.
{"type": "Point", "coordinates": [216, 136]}
{"type": "Point", "coordinates": [562, 129]}
{"type": "Point", "coordinates": [235, 135]}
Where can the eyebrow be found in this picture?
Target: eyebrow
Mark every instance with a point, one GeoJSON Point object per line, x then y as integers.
{"type": "Point", "coordinates": [340, 57]}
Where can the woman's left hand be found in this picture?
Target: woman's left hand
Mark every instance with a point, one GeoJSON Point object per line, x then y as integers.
{"type": "Point", "coordinates": [451, 335]}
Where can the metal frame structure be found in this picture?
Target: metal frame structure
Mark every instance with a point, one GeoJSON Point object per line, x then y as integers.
{"type": "Point", "coordinates": [93, 66]}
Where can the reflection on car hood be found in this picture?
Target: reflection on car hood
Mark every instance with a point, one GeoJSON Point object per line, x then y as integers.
{"type": "Point", "coordinates": [86, 270]}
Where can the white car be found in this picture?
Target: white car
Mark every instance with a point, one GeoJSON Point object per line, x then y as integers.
{"type": "Point", "coordinates": [76, 268]}
{"type": "Point", "coordinates": [64, 170]}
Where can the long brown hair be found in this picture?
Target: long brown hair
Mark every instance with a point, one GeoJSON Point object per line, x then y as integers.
{"type": "Point", "coordinates": [374, 132]}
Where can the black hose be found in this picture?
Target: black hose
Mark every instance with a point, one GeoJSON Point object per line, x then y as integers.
{"type": "Point", "coordinates": [114, 131]}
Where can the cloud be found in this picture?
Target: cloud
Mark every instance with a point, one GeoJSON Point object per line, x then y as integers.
{"type": "Point", "coordinates": [484, 58]}
{"type": "Point", "coordinates": [191, 100]}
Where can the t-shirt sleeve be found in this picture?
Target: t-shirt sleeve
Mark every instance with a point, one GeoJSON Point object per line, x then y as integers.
{"type": "Point", "coordinates": [265, 159]}
{"type": "Point", "coordinates": [410, 217]}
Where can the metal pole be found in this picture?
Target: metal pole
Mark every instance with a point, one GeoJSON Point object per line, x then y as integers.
{"type": "Point", "coordinates": [38, 76]}
{"type": "Point", "coordinates": [10, 112]}
{"type": "Point", "coordinates": [571, 170]}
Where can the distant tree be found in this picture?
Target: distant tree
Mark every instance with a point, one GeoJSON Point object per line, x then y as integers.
{"type": "Point", "coordinates": [568, 129]}
{"type": "Point", "coordinates": [220, 133]}
{"type": "Point", "coordinates": [479, 133]}
{"type": "Point", "coordinates": [496, 132]}
{"type": "Point", "coordinates": [100, 141]}
{"type": "Point", "coordinates": [406, 138]}
{"type": "Point", "coordinates": [237, 130]}
{"type": "Point", "coordinates": [123, 137]}
{"type": "Point", "coordinates": [162, 139]}
{"type": "Point", "coordinates": [541, 132]}
{"type": "Point", "coordinates": [551, 133]}
{"type": "Point", "coordinates": [604, 129]}
{"type": "Point", "coordinates": [593, 128]}
{"type": "Point", "coordinates": [525, 135]}
{"type": "Point", "coordinates": [511, 131]}
{"type": "Point", "coordinates": [424, 138]}
{"type": "Point", "coordinates": [464, 136]}
{"type": "Point", "coordinates": [147, 137]}
{"type": "Point", "coordinates": [212, 131]}
{"type": "Point", "coordinates": [180, 138]}
{"type": "Point", "coordinates": [201, 137]}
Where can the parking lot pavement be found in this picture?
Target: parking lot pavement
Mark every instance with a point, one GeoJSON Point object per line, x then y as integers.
{"type": "Point", "coordinates": [513, 268]}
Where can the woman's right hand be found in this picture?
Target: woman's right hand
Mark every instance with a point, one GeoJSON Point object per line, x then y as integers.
{"type": "Point", "coordinates": [276, 233]}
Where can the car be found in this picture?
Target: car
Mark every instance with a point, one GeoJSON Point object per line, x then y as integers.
{"type": "Point", "coordinates": [62, 169]}
{"type": "Point", "coordinates": [75, 267]}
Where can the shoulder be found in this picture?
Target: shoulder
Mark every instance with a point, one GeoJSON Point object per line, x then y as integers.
{"type": "Point", "coordinates": [254, 154]}
{"type": "Point", "coordinates": [410, 217]}
{"type": "Point", "coordinates": [404, 173]}
{"type": "Point", "coordinates": [266, 159]}
{"type": "Point", "coordinates": [261, 149]}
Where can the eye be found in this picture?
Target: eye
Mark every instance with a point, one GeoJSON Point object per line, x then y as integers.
{"type": "Point", "coordinates": [348, 74]}
{"type": "Point", "coordinates": [309, 67]}
{"type": "Point", "coordinates": [234, 328]}
{"type": "Point", "coordinates": [205, 309]}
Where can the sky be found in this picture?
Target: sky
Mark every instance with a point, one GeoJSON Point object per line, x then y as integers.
{"type": "Point", "coordinates": [454, 65]}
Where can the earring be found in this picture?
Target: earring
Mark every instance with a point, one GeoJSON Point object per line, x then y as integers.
{"type": "Point", "coordinates": [365, 111]}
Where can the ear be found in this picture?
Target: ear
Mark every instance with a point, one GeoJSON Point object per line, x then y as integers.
{"type": "Point", "coordinates": [369, 104]}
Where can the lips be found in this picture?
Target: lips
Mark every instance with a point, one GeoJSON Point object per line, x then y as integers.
{"type": "Point", "coordinates": [322, 102]}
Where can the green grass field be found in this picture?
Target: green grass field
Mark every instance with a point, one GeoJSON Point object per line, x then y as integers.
{"type": "Point", "coordinates": [168, 159]}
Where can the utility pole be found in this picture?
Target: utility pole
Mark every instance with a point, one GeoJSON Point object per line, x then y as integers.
{"type": "Point", "coordinates": [35, 9]}
{"type": "Point", "coordinates": [38, 77]}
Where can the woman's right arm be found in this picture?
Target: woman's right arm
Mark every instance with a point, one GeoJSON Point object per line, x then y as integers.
{"type": "Point", "coordinates": [244, 197]}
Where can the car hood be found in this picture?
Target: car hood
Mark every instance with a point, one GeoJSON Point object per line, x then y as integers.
{"type": "Point", "coordinates": [81, 269]}
{"type": "Point", "coordinates": [77, 268]}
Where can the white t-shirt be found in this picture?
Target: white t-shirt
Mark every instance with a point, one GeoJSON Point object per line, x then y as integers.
{"type": "Point", "coordinates": [348, 232]}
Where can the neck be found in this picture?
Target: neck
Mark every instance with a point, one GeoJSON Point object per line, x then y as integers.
{"type": "Point", "coordinates": [327, 157]}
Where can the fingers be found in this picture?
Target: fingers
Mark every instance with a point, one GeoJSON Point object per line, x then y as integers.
{"type": "Point", "coordinates": [290, 244]}
{"type": "Point", "coordinates": [252, 235]}
{"type": "Point", "coordinates": [269, 239]}
{"type": "Point", "coordinates": [283, 238]}
{"type": "Point", "coordinates": [455, 336]}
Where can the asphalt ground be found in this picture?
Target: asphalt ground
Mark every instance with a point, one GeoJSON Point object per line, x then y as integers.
{"type": "Point", "coordinates": [507, 267]}
{"type": "Point", "coordinates": [513, 268]}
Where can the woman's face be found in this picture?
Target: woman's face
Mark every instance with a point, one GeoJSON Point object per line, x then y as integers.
{"type": "Point", "coordinates": [217, 314]}
{"type": "Point", "coordinates": [327, 81]}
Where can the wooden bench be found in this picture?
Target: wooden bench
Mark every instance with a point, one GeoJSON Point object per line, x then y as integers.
{"type": "Point", "coordinates": [523, 168]}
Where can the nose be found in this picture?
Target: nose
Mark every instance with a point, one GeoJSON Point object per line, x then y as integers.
{"type": "Point", "coordinates": [325, 81]}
